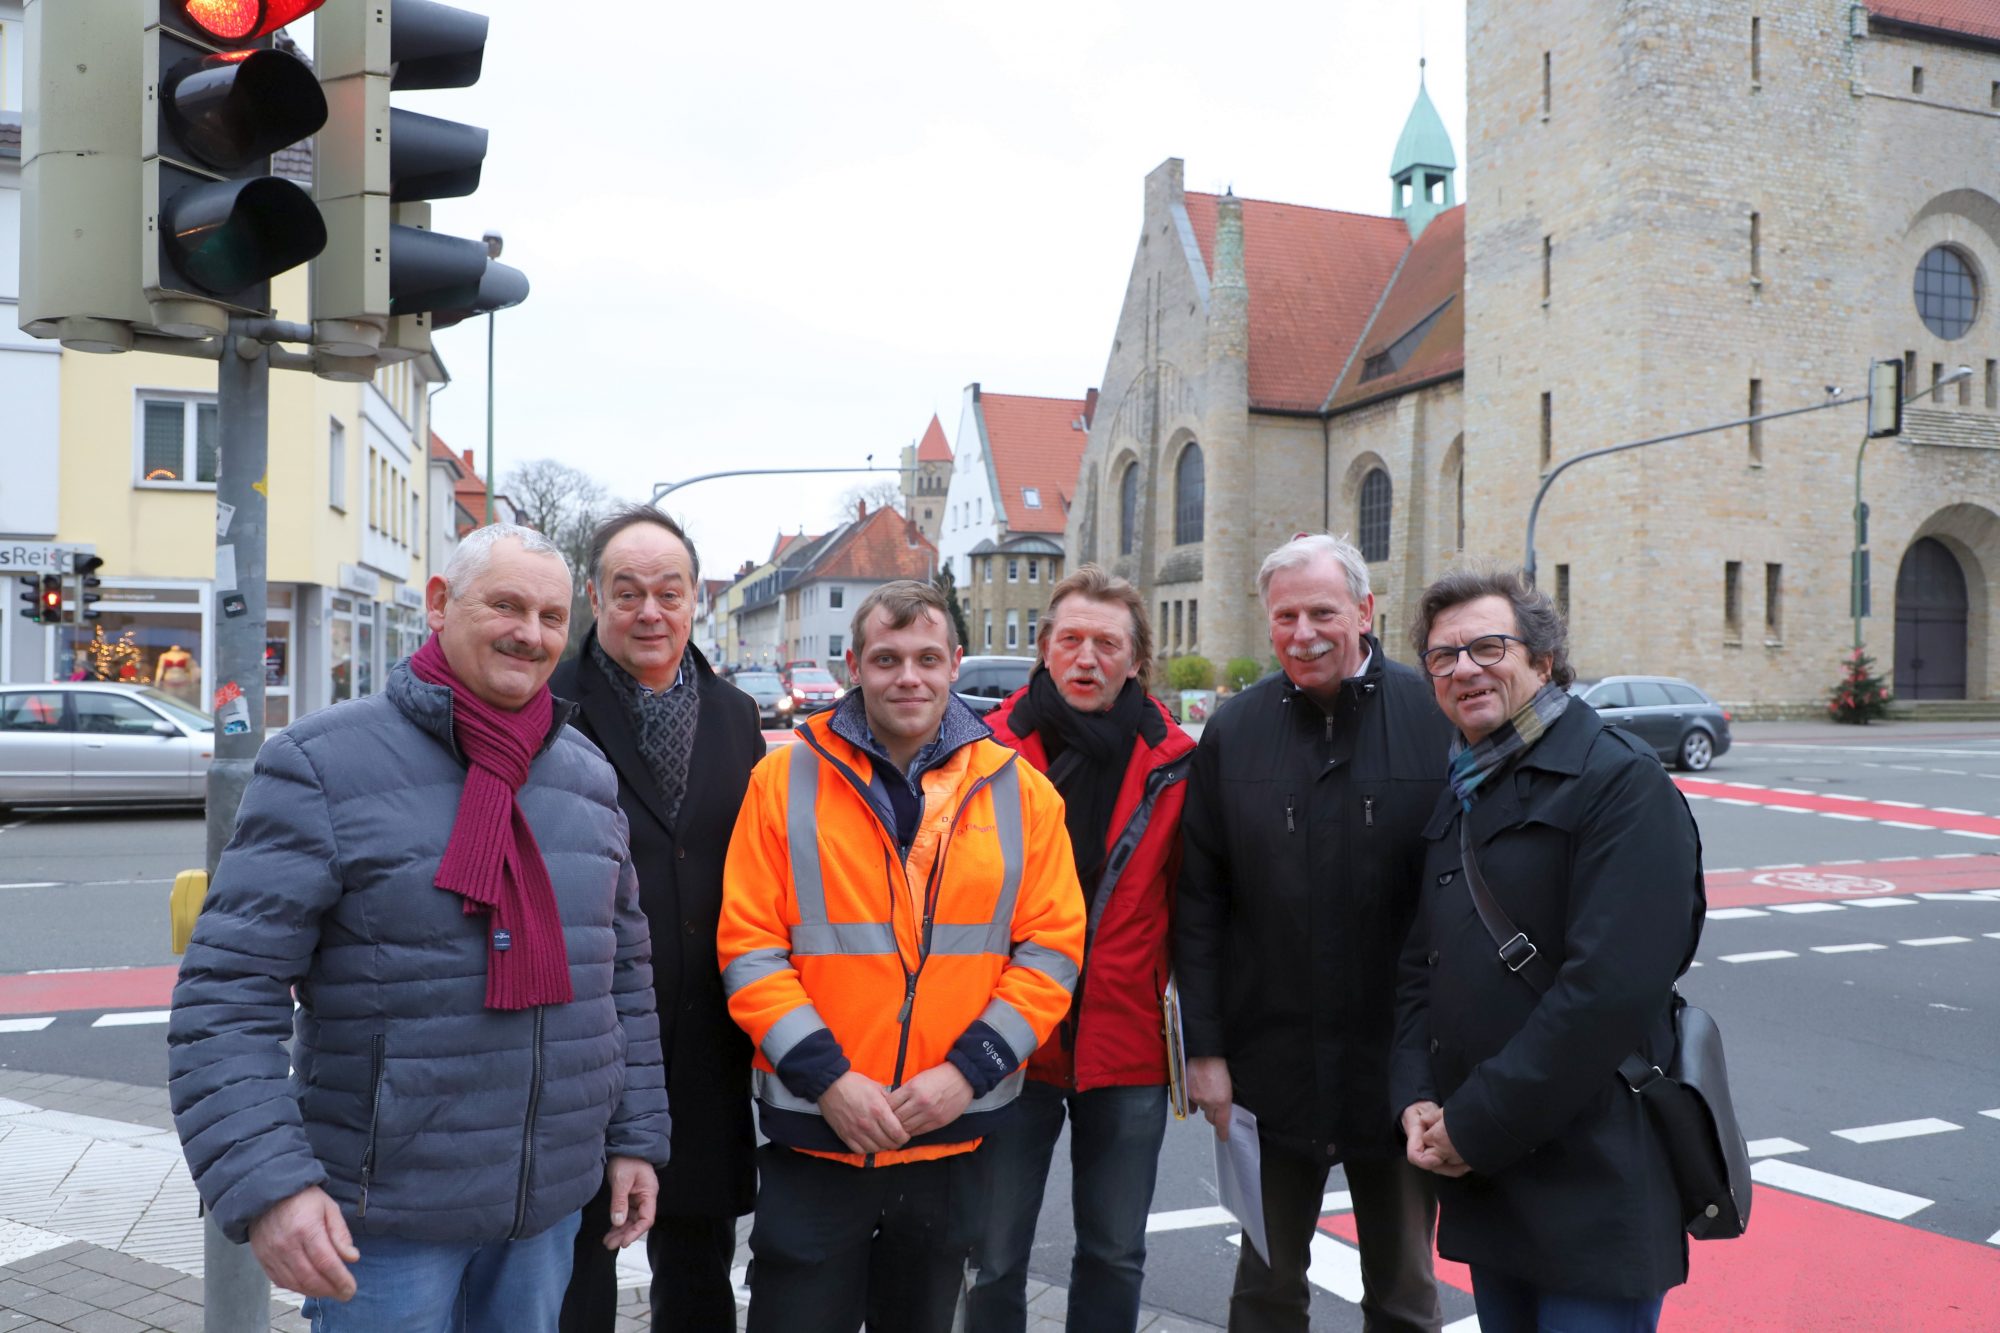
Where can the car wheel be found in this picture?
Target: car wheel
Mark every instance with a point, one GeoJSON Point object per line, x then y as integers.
{"type": "Point", "coordinates": [1697, 751]}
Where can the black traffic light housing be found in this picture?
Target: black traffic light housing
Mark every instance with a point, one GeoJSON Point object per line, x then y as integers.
{"type": "Point", "coordinates": [220, 99]}
{"type": "Point", "coordinates": [44, 598]}
{"type": "Point", "coordinates": [86, 581]}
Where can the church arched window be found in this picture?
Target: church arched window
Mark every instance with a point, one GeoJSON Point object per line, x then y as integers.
{"type": "Point", "coordinates": [1128, 508]}
{"type": "Point", "coordinates": [1189, 496]}
{"type": "Point", "coordinates": [1375, 497]}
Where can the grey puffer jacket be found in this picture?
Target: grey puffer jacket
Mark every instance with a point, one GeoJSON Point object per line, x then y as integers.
{"type": "Point", "coordinates": [425, 1114]}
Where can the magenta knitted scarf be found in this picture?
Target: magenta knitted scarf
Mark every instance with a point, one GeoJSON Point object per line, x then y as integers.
{"type": "Point", "coordinates": [492, 860]}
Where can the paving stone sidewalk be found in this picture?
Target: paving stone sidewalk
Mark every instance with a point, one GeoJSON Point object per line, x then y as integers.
{"type": "Point", "coordinates": [100, 1229]}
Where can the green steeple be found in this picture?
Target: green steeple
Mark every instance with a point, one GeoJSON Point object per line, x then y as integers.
{"type": "Point", "coordinates": [1421, 171]}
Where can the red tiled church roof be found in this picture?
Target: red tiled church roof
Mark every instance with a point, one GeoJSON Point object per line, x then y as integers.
{"type": "Point", "coordinates": [934, 448]}
{"type": "Point", "coordinates": [1035, 443]}
{"type": "Point", "coordinates": [1970, 18]}
{"type": "Point", "coordinates": [1314, 276]}
{"type": "Point", "coordinates": [1433, 274]}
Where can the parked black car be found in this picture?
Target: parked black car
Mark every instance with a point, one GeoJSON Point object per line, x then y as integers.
{"type": "Point", "coordinates": [774, 702]}
{"type": "Point", "coordinates": [1683, 725]}
{"type": "Point", "coordinates": [984, 681]}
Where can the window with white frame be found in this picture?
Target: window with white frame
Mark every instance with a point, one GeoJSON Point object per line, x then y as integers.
{"type": "Point", "coordinates": [374, 490]}
{"type": "Point", "coordinates": [989, 631]}
{"type": "Point", "coordinates": [1033, 618]}
{"type": "Point", "coordinates": [1013, 569]}
{"type": "Point", "coordinates": [1013, 629]}
{"type": "Point", "coordinates": [1031, 496]}
{"type": "Point", "coordinates": [179, 441]}
{"type": "Point", "coordinates": [1034, 570]}
{"type": "Point", "coordinates": [836, 597]}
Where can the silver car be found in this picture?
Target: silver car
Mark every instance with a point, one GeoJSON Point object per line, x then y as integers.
{"type": "Point", "coordinates": [95, 743]}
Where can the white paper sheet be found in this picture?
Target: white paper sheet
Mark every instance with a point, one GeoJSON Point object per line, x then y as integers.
{"type": "Point", "coordinates": [1239, 1185]}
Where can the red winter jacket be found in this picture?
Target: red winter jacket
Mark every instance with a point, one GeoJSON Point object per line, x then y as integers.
{"type": "Point", "coordinates": [1112, 1035]}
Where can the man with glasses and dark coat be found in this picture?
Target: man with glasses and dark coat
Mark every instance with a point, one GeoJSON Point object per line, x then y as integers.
{"type": "Point", "coordinates": [683, 743]}
{"type": "Point", "coordinates": [1302, 842]}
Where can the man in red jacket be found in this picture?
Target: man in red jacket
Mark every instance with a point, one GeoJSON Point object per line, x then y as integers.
{"type": "Point", "coordinates": [1120, 762]}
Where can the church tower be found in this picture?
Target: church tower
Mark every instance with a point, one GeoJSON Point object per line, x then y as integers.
{"type": "Point", "coordinates": [1421, 170]}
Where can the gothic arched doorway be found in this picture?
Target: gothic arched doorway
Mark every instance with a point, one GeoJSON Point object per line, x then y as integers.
{"type": "Point", "coordinates": [1931, 607]}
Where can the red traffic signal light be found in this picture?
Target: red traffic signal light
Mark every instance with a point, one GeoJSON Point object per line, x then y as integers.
{"type": "Point", "coordinates": [240, 21]}
{"type": "Point", "coordinates": [51, 604]}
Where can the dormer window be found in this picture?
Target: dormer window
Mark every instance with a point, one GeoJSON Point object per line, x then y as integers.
{"type": "Point", "coordinates": [1031, 496]}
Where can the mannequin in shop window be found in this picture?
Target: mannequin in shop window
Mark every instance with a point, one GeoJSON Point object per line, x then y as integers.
{"type": "Point", "coordinates": [176, 673]}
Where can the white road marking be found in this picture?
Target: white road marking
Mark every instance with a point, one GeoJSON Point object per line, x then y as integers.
{"type": "Point", "coordinates": [1956, 897]}
{"type": "Point", "coordinates": [25, 1024]}
{"type": "Point", "coordinates": [35, 884]}
{"type": "Point", "coordinates": [1470, 1324]}
{"type": "Point", "coordinates": [1892, 1204]}
{"type": "Point", "coordinates": [1793, 791]}
{"type": "Point", "coordinates": [1773, 1147]}
{"type": "Point", "coordinates": [1993, 1239]}
{"type": "Point", "coordinates": [1791, 809]}
{"type": "Point", "coordinates": [1954, 810]}
{"type": "Point", "coordinates": [1181, 1219]}
{"type": "Point", "coordinates": [1993, 934]}
{"type": "Point", "coordinates": [133, 1019]}
{"type": "Point", "coordinates": [1881, 902]}
{"type": "Point", "coordinates": [1735, 913]}
{"type": "Point", "coordinates": [1852, 819]}
{"type": "Point", "coordinates": [1937, 939]}
{"type": "Point", "coordinates": [1971, 833]}
{"type": "Point", "coordinates": [1733, 800]}
{"type": "Point", "coordinates": [1800, 909]}
{"type": "Point", "coordinates": [1784, 865]}
{"type": "Point", "coordinates": [1846, 948]}
{"type": "Point", "coordinates": [1335, 1266]}
{"type": "Point", "coordinates": [1902, 805]}
{"type": "Point", "coordinates": [1901, 1129]}
{"type": "Point", "coordinates": [1901, 823]}
{"type": "Point", "coordinates": [1993, 1114]}
{"type": "Point", "coordinates": [1732, 870]}
{"type": "Point", "coordinates": [1841, 796]}
{"type": "Point", "coordinates": [1954, 856]}
{"type": "Point", "coordinates": [1764, 956]}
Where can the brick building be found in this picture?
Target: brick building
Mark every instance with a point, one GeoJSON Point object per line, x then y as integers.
{"type": "Point", "coordinates": [1012, 484]}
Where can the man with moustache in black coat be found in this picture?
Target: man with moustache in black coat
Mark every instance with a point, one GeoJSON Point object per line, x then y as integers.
{"type": "Point", "coordinates": [683, 742]}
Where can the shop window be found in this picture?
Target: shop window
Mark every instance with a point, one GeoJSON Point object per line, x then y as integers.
{"type": "Point", "coordinates": [179, 442]}
{"type": "Point", "coordinates": [142, 636]}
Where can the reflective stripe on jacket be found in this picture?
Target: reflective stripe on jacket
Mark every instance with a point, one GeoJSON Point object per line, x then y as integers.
{"type": "Point", "coordinates": [838, 955]}
{"type": "Point", "coordinates": [1113, 1035]}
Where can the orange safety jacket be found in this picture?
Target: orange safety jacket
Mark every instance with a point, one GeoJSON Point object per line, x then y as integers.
{"type": "Point", "coordinates": [836, 953]}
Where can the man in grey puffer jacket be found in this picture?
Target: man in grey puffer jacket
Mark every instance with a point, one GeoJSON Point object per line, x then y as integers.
{"type": "Point", "coordinates": [473, 1052]}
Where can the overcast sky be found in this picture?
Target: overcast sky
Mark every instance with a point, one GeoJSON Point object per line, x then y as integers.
{"type": "Point", "coordinates": [786, 234]}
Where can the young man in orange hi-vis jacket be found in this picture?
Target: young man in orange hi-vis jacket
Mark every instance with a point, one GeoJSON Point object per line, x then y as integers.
{"type": "Point", "coordinates": [901, 928]}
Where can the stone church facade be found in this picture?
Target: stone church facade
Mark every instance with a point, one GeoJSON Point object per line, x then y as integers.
{"type": "Point", "coordinates": [1685, 212]}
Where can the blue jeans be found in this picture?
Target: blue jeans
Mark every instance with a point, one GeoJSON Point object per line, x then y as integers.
{"type": "Point", "coordinates": [1508, 1305]}
{"type": "Point", "coordinates": [1114, 1150]}
{"type": "Point", "coordinates": [422, 1286]}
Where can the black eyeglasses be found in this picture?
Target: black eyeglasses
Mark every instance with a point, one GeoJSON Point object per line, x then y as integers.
{"type": "Point", "coordinates": [1486, 650]}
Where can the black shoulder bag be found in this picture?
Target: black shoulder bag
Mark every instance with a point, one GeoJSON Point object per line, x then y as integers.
{"type": "Point", "coordinates": [1688, 1101]}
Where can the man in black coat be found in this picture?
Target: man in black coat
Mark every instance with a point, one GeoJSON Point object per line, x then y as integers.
{"type": "Point", "coordinates": [683, 743]}
{"type": "Point", "coordinates": [1553, 1184]}
{"type": "Point", "coordinates": [1302, 841]}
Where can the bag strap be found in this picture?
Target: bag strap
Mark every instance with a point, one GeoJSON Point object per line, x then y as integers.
{"type": "Point", "coordinates": [1519, 955]}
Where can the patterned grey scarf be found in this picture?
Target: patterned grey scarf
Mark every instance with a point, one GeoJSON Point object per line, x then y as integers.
{"type": "Point", "coordinates": [663, 724]}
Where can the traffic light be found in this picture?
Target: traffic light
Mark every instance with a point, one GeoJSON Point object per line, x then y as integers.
{"type": "Point", "coordinates": [87, 580]}
{"type": "Point", "coordinates": [44, 598]}
{"type": "Point", "coordinates": [386, 278]}
{"type": "Point", "coordinates": [220, 99]}
{"type": "Point", "coordinates": [146, 200]}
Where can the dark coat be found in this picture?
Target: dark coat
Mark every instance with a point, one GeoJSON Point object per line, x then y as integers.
{"type": "Point", "coordinates": [712, 1173]}
{"type": "Point", "coordinates": [1301, 845]}
{"type": "Point", "coordinates": [1591, 851]}
{"type": "Point", "coordinates": [423, 1113]}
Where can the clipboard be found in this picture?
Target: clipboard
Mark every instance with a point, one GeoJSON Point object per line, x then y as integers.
{"type": "Point", "coordinates": [1170, 1022]}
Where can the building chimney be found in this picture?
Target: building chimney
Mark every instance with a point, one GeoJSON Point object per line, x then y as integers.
{"type": "Point", "coordinates": [860, 510]}
{"type": "Point", "coordinates": [468, 463]}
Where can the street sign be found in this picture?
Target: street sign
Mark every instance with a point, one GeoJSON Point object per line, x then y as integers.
{"type": "Point", "coordinates": [18, 557]}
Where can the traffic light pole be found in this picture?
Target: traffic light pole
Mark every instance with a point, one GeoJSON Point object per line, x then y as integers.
{"type": "Point", "coordinates": [236, 1296]}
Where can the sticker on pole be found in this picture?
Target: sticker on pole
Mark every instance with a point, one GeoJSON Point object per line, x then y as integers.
{"type": "Point", "coordinates": [1813, 881]}
{"type": "Point", "coordinates": [232, 710]}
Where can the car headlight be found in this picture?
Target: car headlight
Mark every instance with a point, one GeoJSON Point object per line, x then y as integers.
{"type": "Point", "coordinates": [839, 693]}
{"type": "Point", "coordinates": [785, 704]}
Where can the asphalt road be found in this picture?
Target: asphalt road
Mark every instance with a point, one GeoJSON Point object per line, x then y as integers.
{"type": "Point", "coordinates": [1850, 1003]}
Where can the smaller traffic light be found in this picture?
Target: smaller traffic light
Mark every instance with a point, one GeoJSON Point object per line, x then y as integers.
{"type": "Point", "coordinates": [86, 580]}
{"type": "Point", "coordinates": [1885, 399]}
{"type": "Point", "coordinates": [44, 598]}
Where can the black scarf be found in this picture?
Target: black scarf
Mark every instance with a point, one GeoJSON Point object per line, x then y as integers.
{"type": "Point", "coordinates": [1088, 754]}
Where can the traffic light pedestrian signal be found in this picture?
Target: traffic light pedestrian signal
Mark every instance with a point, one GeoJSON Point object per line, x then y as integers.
{"type": "Point", "coordinates": [220, 101]}
{"type": "Point", "coordinates": [386, 278]}
{"type": "Point", "coordinates": [44, 598]}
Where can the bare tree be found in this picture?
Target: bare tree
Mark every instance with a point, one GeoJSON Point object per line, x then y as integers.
{"type": "Point", "coordinates": [563, 504]}
{"type": "Point", "coordinates": [880, 493]}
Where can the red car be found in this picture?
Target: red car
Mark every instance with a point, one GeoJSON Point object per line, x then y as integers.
{"type": "Point", "coordinates": [811, 687]}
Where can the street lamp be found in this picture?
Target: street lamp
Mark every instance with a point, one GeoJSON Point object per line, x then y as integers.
{"type": "Point", "coordinates": [494, 245]}
{"type": "Point", "coordinates": [1858, 588]}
